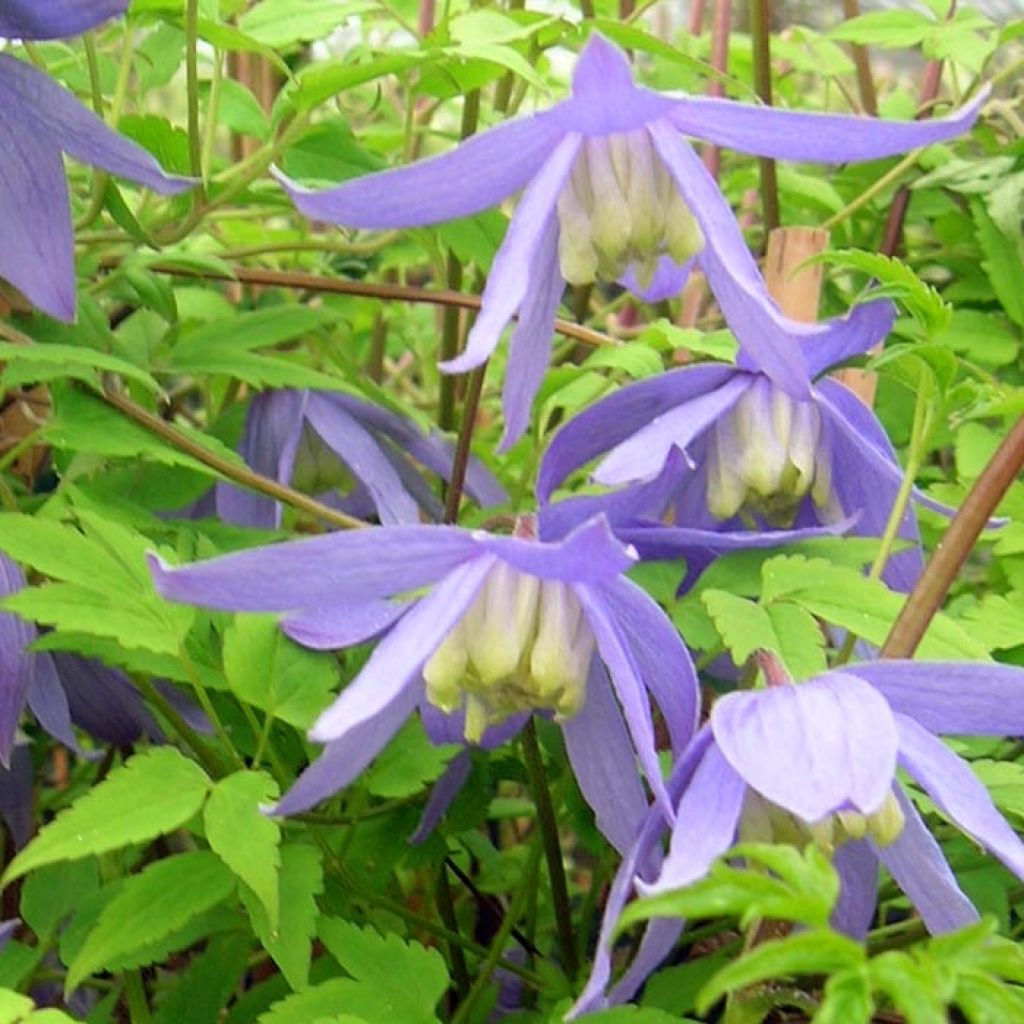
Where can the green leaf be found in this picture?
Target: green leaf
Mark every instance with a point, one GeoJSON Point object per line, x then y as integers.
{"type": "Point", "coordinates": [321, 1003]}
{"type": "Point", "coordinates": [153, 793]}
{"type": "Point", "coordinates": [897, 281]}
{"type": "Point", "coordinates": [743, 625]}
{"type": "Point", "coordinates": [320, 82]}
{"type": "Point", "coordinates": [19, 1009]}
{"type": "Point", "coordinates": [301, 881]}
{"type": "Point", "coordinates": [890, 29]}
{"type": "Point", "coordinates": [264, 668]}
{"type": "Point", "coordinates": [811, 952]}
{"type": "Point", "coordinates": [408, 763]}
{"type": "Point", "coordinates": [846, 999]}
{"type": "Point", "coordinates": [1002, 260]}
{"type": "Point", "coordinates": [283, 23]}
{"type": "Point", "coordinates": [204, 988]}
{"type": "Point", "coordinates": [165, 896]}
{"type": "Point", "coordinates": [244, 838]}
{"type": "Point", "coordinates": [413, 977]}
{"type": "Point", "coordinates": [26, 364]}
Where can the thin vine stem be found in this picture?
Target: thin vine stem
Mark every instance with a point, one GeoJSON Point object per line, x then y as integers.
{"type": "Point", "coordinates": [932, 586]}
{"type": "Point", "coordinates": [760, 30]}
{"type": "Point", "coordinates": [463, 447]}
{"type": "Point", "coordinates": [548, 825]}
{"type": "Point", "coordinates": [195, 139]}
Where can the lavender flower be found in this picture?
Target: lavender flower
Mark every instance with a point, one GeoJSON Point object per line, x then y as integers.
{"type": "Point", "coordinates": [612, 190]}
{"type": "Point", "coordinates": [39, 121]}
{"type": "Point", "coordinates": [508, 626]}
{"type": "Point", "coordinates": [320, 440]}
{"type": "Point", "coordinates": [753, 456]}
{"type": "Point", "coordinates": [816, 762]}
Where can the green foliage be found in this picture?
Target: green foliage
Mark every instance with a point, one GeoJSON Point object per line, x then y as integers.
{"type": "Point", "coordinates": [153, 793]}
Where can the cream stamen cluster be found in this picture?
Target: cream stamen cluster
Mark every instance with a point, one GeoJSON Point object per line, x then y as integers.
{"type": "Point", "coordinates": [763, 821]}
{"type": "Point", "coordinates": [522, 645]}
{"type": "Point", "coordinates": [766, 455]}
{"type": "Point", "coordinates": [620, 208]}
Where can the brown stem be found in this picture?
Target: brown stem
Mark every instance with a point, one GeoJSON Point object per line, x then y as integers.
{"type": "Point", "coordinates": [463, 445]}
{"type": "Point", "coordinates": [241, 475]}
{"type": "Point", "coordinates": [720, 28]}
{"type": "Point", "coordinates": [930, 590]}
{"type": "Point", "coordinates": [696, 17]}
{"type": "Point", "coordinates": [862, 62]}
{"type": "Point", "coordinates": [364, 289]}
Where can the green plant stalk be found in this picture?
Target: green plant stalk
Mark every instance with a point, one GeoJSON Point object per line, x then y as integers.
{"type": "Point", "coordinates": [760, 37]}
{"type": "Point", "coordinates": [493, 959]}
{"type": "Point", "coordinates": [920, 432]}
{"type": "Point", "coordinates": [195, 138]}
{"type": "Point", "coordinates": [931, 588]}
{"type": "Point", "coordinates": [203, 696]}
{"type": "Point", "coordinates": [446, 910]}
{"type": "Point", "coordinates": [212, 110]}
{"type": "Point", "coordinates": [548, 826]}
{"type": "Point", "coordinates": [450, 329]}
{"type": "Point", "coordinates": [877, 186]}
{"type": "Point", "coordinates": [99, 179]}
{"type": "Point", "coordinates": [207, 757]}
{"type": "Point", "coordinates": [135, 998]}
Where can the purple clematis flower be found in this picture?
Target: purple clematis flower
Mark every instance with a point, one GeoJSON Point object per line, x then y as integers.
{"type": "Point", "coordinates": [311, 438]}
{"type": "Point", "coordinates": [508, 626]}
{"type": "Point", "coordinates": [39, 121]}
{"type": "Point", "coordinates": [748, 455]}
{"type": "Point", "coordinates": [612, 190]}
{"type": "Point", "coordinates": [816, 762]}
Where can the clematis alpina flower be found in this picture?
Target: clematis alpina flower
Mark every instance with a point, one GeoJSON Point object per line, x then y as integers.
{"type": "Point", "coordinates": [321, 441]}
{"type": "Point", "coordinates": [816, 763]}
{"type": "Point", "coordinates": [612, 191]}
{"type": "Point", "coordinates": [39, 121]}
{"type": "Point", "coordinates": [508, 626]}
{"type": "Point", "coordinates": [753, 456]}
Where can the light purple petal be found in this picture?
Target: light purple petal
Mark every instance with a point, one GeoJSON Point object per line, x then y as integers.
{"type": "Point", "coordinates": [604, 97]}
{"type": "Point", "coordinates": [51, 112]}
{"type": "Point", "coordinates": [16, 796]}
{"type": "Point", "coordinates": [958, 792]}
{"type": "Point", "coordinates": [509, 280]}
{"type": "Point", "coordinates": [334, 625]}
{"type": "Point", "coordinates": [358, 564]}
{"type": "Point", "coordinates": [642, 456]}
{"type": "Point", "coordinates": [273, 427]}
{"type": "Point", "coordinates": [402, 653]}
{"type": "Point", "coordinates": [530, 347]}
{"type": "Point", "coordinates": [629, 688]}
{"type": "Point", "coordinates": [613, 419]}
{"type": "Point", "coordinates": [36, 244]}
{"type": "Point", "coordinates": [444, 728]}
{"type": "Point", "coordinates": [590, 554]}
{"type": "Point", "coordinates": [356, 746]}
{"type": "Point", "coordinates": [666, 543]}
{"type": "Point", "coordinates": [857, 866]}
{"type": "Point", "coordinates": [766, 337]}
{"type": "Point", "coordinates": [916, 862]}
{"type": "Point", "coordinates": [54, 19]}
{"type": "Point", "coordinates": [951, 697]}
{"type": "Point", "coordinates": [444, 791]}
{"type": "Point", "coordinates": [820, 747]}
{"type": "Point", "coordinates": [660, 655]}
{"type": "Point", "coordinates": [706, 821]}
{"type": "Point", "coordinates": [634, 865]}
{"type": "Point", "coordinates": [865, 326]}
{"type": "Point", "coordinates": [16, 661]}
{"type": "Point", "coordinates": [603, 762]}
{"type": "Point", "coordinates": [358, 449]}
{"type": "Point", "coordinates": [103, 702]}
{"type": "Point", "coordinates": [477, 174]}
{"type": "Point", "coordinates": [48, 702]}
{"type": "Point", "coordinates": [660, 937]}
{"type": "Point", "coordinates": [435, 452]}
{"type": "Point", "coordinates": [824, 138]}
{"type": "Point", "coordinates": [667, 282]}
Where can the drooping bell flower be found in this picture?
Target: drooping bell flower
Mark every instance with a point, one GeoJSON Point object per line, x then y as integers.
{"type": "Point", "coordinates": [320, 441]}
{"type": "Point", "coordinates": [754, 457]}
{"type": "Point", "coordinates": [39, 122]}
{"type": "Point", "coordinates": [508, 626]}
{"type": "Point", "coordinates": [612, 190]}
{"type": "Point", "coordinates": [816, 762]}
